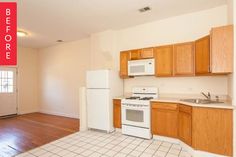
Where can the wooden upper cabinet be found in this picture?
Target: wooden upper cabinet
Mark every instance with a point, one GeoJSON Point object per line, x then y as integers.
{"type": "Point", "coordinates": [202, 55]}
{"type": "Point", "coordinates": [164, 119]}
{"type": "Point", "coordinates": [124, 58]}
{"type": "Point", "coordinates": [147, 53]}
{"type": "Point", "coordinates": [183, 57]}
{"type": "Point", "coordinates": [164, 60]}
{"type": "Point", "coordinates": [185, 124]}
{"type": "Point", "coordinates": [144, 53]}
{"type": "Point", "coordinates": [222, 49]}
{"type": "Point", "coordinates": [213, 130]}
{"type": "Point", "coordinates": [117, 113]}
{"type": "Point", "coordinates": [135, 54]}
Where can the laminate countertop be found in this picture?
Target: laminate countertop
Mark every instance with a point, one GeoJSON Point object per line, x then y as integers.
{"type": "Point", "coordinates": [224, 105]}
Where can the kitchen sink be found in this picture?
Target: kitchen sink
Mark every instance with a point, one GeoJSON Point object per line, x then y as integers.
{"type": "Point", "coordinates": [201, 101]}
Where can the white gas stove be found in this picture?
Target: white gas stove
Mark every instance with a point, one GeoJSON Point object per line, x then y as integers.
{"type": "Point", "coordinates": [136, 112]}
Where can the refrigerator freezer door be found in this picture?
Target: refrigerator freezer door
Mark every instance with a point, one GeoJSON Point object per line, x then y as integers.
{"type": "Point", "coordinates": [98, 108]}
{"type": "Point", "coordinates": [98, 79]}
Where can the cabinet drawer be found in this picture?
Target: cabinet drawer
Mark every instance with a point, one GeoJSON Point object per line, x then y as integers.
{"type": "Point", "coordinates": [165, 106]}
{"type": "Point", "coordinates": [186, 109]}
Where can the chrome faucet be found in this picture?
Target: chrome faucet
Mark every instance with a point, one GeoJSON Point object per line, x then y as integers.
{"type": "Point", "coordinates": [208, 95]}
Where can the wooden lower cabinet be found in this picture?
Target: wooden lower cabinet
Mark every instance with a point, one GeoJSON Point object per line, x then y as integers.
{"type": "Point", "coordinates": [164, 119]}
{"type": "Point", "coordinates": [212, 130]}
{"type": "Point", "coordinates": [203, 128]}
{"type": "Point", "coordinates": [185, 124]}
{"type": "Point", "coordinates": [117, 113]}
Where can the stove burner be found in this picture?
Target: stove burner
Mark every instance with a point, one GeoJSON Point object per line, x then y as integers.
{"type": "Point", "coordinates": [133, 97]}
{"type": "Point", "coordinates": [146, 98]}
{"type": "Point", "coordinates": [139, 98]}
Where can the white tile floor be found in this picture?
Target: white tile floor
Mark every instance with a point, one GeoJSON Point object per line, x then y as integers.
{"type": "Point", "coordinates": [94, 144]}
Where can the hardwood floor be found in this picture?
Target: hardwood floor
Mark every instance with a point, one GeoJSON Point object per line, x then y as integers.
{"type": "Point", "coordinates": [21, 133]}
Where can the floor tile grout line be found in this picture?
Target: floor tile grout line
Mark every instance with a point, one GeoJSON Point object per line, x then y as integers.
{"type": "Point", "coordinates": [157, 148]}
{"type": "Point", "coordinates": [168, 150]}
{"type": "Point", "coordinates": [108, 138]}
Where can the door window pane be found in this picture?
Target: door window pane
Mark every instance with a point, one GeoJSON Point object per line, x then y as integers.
{"type": "Point", "coordinates": [6, 82]}
{"type": "Point", "coordinates": [10, 74]}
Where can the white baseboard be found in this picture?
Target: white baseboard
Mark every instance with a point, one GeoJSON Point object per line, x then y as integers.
{"type": "Point", "coordinates": [190, 150]}
{"type": "Point", "coordinates": [168, 139]}
{"type": "Point", "coordinates": [27, 112]}
{"type": "Point", "coordinates": [60, 114]}
{"type": "Point", "coordinates": [118, 130]}
{"type": "Point", "coordinates": [83, 129]}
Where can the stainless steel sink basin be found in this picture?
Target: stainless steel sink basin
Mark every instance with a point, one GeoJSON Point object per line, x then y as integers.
{"type": "Point", "coordinates": [201, 101]}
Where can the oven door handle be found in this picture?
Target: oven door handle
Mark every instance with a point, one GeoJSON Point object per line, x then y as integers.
{"type": "Point", "coordinates": [135, 107]}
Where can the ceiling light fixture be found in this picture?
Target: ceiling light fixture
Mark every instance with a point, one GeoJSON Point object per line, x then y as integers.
{"type": "Point", "coordinates": [59, 41]}
{"type": "Point", "coordinates": [21, 33]}
{"type": "Point", "coordinates": [144, 9]}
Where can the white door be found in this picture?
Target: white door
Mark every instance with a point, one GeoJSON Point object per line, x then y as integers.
{"type": "Point", "coordinates": [8, 94]}
{"type": "Point", "coordinates": [98, 109]}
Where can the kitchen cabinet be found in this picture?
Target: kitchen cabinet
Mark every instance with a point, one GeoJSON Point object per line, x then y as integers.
{"type": "Point", "coordinates": [163, 60]}
{"type": "Point", "coordinates": [212, 130]}
{"type": "Point", "coordinates": [183, 57]}
{"type": "Point", "coordinates": [124, 58]}
{"type": "Point", "coordinates": [144, 53]}
{"type": "Point", "coordinates": [222, 49]}
{"type": "Point", "coordinates": [164, 119]}
{"type": "Point", "coordinates": [185, 124]}
{"type": "Point", "coordinates": [147, 53]}
{"type": "Point", "coordinates": [135, 54]}
{"type": "Point", "coordinates": [202, 56]}
{"type": "Point", "coordinates": [117, 113]}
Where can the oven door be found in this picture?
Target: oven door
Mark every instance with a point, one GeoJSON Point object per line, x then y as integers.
{"type": "Point", "coordinates": [136, 115]}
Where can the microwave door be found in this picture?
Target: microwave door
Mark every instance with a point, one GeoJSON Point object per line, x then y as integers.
{"type": "Point", "coordinates": [138, 69]}
{"type": "Point", "coordinates": [141, 67]}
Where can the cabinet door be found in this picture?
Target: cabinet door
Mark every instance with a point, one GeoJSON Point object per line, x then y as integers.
{"type": "Point", "coordinates": [202, 55]}
{"type": "Point", "coordinates": [147, 53]}
{"type": "Point", "coordinates": [124, 58]}
{"type": "Point", "coordinates": [164, 60]}
{"type": "Point", "coordinates": [184, 59]}
{"type": "Point", "coordinates": [213, 130]}
{"type": "Point", "coordinates": [222, 49]}
{"type": "Point", "coordinates": [185, 124]}
{"type": "Point", "coordinates": [165, 119]}
{"type": "Point", "coordinates": [135, 54]}
{"type": "Point", "coordinates": [117, 113]}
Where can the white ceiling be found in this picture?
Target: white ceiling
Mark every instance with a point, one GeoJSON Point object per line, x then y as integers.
{"type": "Point", "coordinates": [50, 20]}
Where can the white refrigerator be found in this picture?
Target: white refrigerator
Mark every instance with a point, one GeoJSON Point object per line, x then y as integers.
{"type": "Point", "coordinates": [102, 87]}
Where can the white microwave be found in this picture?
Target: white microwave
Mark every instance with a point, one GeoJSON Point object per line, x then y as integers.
{"type": "Point", "coordinates": [141, 67]}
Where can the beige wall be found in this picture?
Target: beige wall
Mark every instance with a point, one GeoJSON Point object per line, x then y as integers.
{"type": "Point", "coordinates": [104, 50]}
{"type": "Point", "coordinates": [172, 30]}
{"type": "Point", "coordinates": [181, 85]}
{"type": "Point", "coordinates": [27, 80]}
{"type": "Point", "coordinates": [61, 73]}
